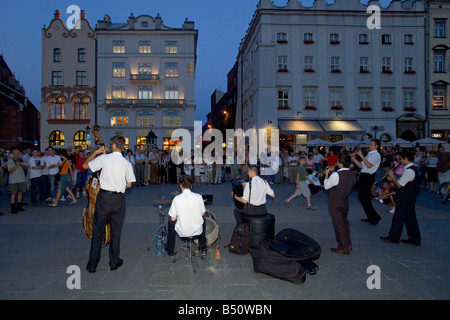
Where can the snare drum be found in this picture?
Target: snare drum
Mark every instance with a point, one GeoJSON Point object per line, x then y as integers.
{"type": "Point", "coordinates": [212, 229]}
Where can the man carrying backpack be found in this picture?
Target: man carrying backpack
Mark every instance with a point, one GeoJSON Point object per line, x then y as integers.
{"type": "Point", "coordinates": [254, 197]}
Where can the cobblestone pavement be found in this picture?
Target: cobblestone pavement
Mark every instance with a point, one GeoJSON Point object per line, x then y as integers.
{"type": "Point", "coordinates": [38, 246]}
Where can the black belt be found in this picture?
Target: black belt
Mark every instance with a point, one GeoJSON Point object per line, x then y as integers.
{"type": "Point", "coordinates": [109, 192]}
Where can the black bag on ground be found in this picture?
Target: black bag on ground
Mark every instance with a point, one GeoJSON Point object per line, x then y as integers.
{"type": "Point", "coordinates": [275, 265]}
{"type": "Point", "coordinates": [295, 245]}
{"type": "Point", "coordinates": [239, 243]}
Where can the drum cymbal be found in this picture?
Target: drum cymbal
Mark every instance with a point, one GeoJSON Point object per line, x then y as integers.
{"type": "Point", "coordinates": [162, 201]}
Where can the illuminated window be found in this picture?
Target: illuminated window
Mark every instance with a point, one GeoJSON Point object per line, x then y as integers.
{"type": "Point", "coordinates": [119, 92]}
{"type": "Point", "coordinates": [145, 92]}
{"type": "Point", "coordinates": [118, 69]}
{"type": "Point", "coordinates": [56, 108]}
{"type": "Point", "coordinates": [119, 119]}
{"type": "Point", "coordinates": [171, 118]}
{"type": "Point", "coordinates": [79, 139]}
{"type": "Point", "coordinates": [171, 69]}
{"type": "Point", "coordinates": [439, 97]}
{"type": "Point", "coordinates": [56, 139]}
{"type": "Point", "coordinates": [118, 46]}
{"type": "Point", "coordinates": [171, 47]}
{"type": "Point", "coordinates": [145, 47]}
{"type": "Point", "coordinates": [171, 92]}
{"type": "Point", "coordinates": [145, 68]}
{"type": "Point", "coordinates": [145, 119]}
{"type": "Point", "coordinates": [141, 143]}
{"type": "Point", "coordinates": [169, 143]}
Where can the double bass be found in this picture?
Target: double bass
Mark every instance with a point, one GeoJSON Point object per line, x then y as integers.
{"type": "Point", "coordinates": [92, 189]}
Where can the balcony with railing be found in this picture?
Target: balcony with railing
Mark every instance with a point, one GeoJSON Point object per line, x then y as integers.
{"type": "Point", "coordinates": [139, 77]}
{"type": "Point", "coordinates": [145, 102]}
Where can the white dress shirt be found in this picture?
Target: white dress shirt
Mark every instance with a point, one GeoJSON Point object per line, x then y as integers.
{"type": "Point", "coordinates": [332, 180]}
{"type": "Point", "coordinates": [407, 176]}
{"type": "Point", "coordinates": [116, 171]}
{"type": "Point", "coordinates": [374, 158]}
{"type": "Point", "coordinates": [188, 208]}
{"type": "Point", "coordinates": [260, 188]}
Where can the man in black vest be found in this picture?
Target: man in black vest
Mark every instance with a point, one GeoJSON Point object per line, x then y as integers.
{"type": "Point", "coordinates": [340, 184]}
{"type": "Point", "coordinates": [405, 212]}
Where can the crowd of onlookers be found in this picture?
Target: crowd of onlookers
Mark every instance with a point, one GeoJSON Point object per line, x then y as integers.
{"type": "Point", "coordinates": [58, 175]}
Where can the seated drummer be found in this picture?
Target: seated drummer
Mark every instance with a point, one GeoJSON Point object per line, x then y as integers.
{"type": "Point", "coordinates": [186, 216]}
{"type": "Point", "coordinates": [255, 192]}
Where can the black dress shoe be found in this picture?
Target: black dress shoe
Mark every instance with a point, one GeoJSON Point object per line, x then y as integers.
{"type": "Point", "coordinates": [374, 222]}
{"type": "Point", "coordinates": [170, 253]}
{"type": "Point", "coordinates": [387, 239]}
{"type": "Point", "coordinates": [415, 243]}
{"type": "Point", "coordinates": [90, 270]}
{"type": "Point", "coordinates": [366, 220]}
{"type": "Point", "coordinates": [119, 264]}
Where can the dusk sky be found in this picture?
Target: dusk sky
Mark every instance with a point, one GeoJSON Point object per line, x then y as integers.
{"type": "Point", "coordinates": [221, 25]}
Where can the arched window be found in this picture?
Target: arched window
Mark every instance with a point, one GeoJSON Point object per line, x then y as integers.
{"type": "Point", "coordinates": [56, 107]}
{"type": "Point", "coordinates": [80, 107]}
{"type": "Point", "coordinates": [79, 139]}
{"type": "Point", "coordinates": [172, 118]}
{"type": "Point", "coordinates": [56, 138]}
{"type": "Point", "coordinates": [119, 118]}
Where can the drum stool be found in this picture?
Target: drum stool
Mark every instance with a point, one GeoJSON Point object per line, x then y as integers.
{"type": "Point", "coordinates": [261, 228]}
{"type": "Point", "coordinates": [190, 255]}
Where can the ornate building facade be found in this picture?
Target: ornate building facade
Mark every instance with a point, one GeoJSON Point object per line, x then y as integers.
{"type": "Point", "coordinates": [438, 69]}
{"type": "Point", "coordinates": [321, 72]}
{"type": "Point", "coordinates": [68, 83]}
{"type": "Point", "coordinates": [146, 80]}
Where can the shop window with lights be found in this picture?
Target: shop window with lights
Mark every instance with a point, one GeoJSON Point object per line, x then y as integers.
{"type": "Point", "coordinates": [79, 139]}
{"type": "Point", "coordinates": [56, 138]}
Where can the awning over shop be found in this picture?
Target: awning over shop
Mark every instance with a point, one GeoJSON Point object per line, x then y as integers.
{"type": "Point", "coordinates": [299, 127]}
{"type": "Point", "coordinates": [341, 126]}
